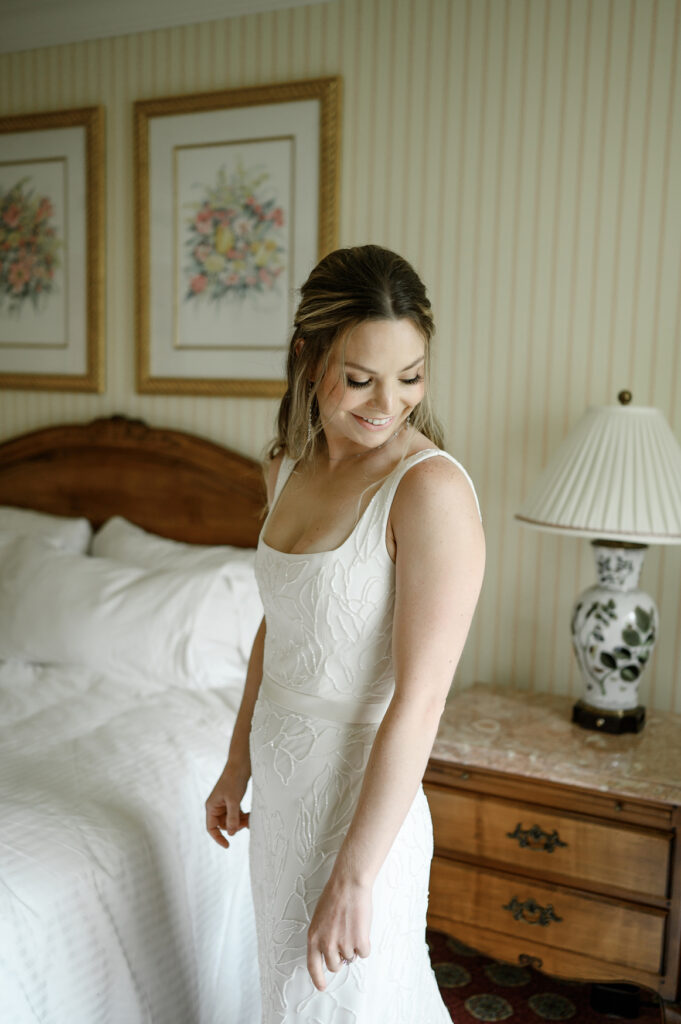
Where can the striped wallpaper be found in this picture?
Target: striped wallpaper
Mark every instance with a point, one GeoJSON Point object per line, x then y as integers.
{"type": "Point", "coordinates": [526, 156]}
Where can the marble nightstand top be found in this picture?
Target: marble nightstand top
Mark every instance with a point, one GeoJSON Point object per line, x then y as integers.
{"type": "Point", "coordinates": [530, 734]}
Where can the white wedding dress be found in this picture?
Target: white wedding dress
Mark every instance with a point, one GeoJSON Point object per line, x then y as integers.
{"type": "Point", "coordinates": [327, 680]}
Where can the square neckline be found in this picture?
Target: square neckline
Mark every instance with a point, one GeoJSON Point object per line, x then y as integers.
{"type": "Point", "coordinates": [331, 551]}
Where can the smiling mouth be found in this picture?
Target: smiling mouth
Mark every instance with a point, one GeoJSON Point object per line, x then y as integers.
{"type": "Point", "coordinates": [375, 421]}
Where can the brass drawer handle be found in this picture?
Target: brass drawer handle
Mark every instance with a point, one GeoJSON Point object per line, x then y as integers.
{"type": "Point", "coordinates": [531, 912]}
{"type": "Point", "coordinates": [532, 838]}
{"type": "Point", "coordinates": [526, 960]}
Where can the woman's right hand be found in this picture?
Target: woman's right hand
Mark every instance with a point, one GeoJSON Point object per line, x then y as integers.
{"type": "Point", "coordinates": [223, 806]}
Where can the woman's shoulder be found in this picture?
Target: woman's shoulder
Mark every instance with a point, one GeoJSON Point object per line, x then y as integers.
{"type": "Point", "coordinates": [432, 477]}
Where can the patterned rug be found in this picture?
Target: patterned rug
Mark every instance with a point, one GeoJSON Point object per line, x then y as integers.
{"type": "Point", "coordinates": [476, 988]}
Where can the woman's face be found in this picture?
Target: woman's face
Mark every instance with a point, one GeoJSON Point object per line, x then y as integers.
{"type": "Point", "coordinates": [368, 400]}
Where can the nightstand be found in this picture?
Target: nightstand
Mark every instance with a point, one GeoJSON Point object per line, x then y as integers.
{"type": "Point", "coordinates": [557, 846]}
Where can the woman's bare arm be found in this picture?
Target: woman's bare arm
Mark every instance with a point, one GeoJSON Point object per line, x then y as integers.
{"type": "Point", "coordinates": [439, 569]}
{"type": "Point", "coordinates": [223, 806]}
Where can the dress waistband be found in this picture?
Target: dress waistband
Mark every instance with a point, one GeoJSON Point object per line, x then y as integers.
{"type": "Point", "coordinates": [348, 712]}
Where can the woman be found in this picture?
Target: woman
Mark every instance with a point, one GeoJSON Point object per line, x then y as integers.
{"type": "Point", "coordinates": [369, 564]}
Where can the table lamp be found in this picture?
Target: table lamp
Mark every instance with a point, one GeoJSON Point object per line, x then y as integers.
{"type": "Point", "coordinates": [617, 479]}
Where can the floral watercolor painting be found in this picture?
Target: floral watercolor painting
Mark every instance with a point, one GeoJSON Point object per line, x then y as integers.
{"type": "Point", "coordinates": [29, 248]}
{"type": "Point", "coordinates": [234, 245]}
{"type": "Point", "coordinates": [237, 195]}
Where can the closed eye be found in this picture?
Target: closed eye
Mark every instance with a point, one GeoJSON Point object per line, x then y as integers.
{"type": "Point", "coordinates": [365, 383]}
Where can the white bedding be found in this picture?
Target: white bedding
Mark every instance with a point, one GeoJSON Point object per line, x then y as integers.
{"type": "Point", "coordinates": [115, 905]}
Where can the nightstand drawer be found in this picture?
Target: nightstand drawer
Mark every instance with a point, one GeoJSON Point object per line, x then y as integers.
{"type": "Point", "coordinates": [618, 933]}
{"type": "Point", "coordinates": [538, 840]}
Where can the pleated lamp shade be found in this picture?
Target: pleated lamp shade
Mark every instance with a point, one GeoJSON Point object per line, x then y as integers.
{"type": "Point", "coordinates": [617, 476]}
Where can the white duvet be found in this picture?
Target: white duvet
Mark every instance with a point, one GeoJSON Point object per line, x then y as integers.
{"type": "Point", "coordinates": [115, 905]}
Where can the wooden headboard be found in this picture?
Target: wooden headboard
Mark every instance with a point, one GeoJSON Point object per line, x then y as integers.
{"type": "Point", "coordinates": [172, 483]}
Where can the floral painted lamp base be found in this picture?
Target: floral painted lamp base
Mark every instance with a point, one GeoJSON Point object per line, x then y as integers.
{"type": "Point", "coordinates": [614, 628]}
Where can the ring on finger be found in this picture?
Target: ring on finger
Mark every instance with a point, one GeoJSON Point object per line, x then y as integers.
{"type": "Point", "coordinates": [347, 960]}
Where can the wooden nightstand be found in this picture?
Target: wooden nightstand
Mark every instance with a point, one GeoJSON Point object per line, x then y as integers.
{"type": "Point", "coordinates": [554, 845]}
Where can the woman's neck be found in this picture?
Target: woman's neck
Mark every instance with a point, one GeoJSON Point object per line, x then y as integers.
{"type": "Point", "coordinates": [334, 454]}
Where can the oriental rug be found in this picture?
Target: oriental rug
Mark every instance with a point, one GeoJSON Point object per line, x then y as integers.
{"type": "Point", "coordinates": [477, 988]}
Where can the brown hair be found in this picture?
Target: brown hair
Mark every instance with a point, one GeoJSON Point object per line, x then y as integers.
{"type": "Point", "coordinates": [346, 288]}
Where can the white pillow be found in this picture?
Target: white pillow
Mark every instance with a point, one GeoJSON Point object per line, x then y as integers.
{"type": "Point", "coordinates": [120, 539]}
{"type": "Point", "coordinates": [57, 607]}
{"type": "Point", "coordinates": [72, 534]}
{"type": "Point", "coordinates": [229, 621]}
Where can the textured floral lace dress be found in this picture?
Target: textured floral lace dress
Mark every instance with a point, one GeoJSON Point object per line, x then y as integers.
{"type": "Point", "coordinates": [327, 681]}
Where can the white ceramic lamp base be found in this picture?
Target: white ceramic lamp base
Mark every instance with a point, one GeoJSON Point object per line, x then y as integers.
{"type": "Point", "coordinates": [614, 628]}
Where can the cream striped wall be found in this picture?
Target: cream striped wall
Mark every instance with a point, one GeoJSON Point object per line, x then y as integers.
{"type": "Point", "coordinates": [526, 156]}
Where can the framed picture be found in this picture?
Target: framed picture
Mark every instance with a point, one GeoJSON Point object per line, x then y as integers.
{"type": "Point", "coordinates": [52, 250]}
{"type": "Point", "coordinates": [237, 199]}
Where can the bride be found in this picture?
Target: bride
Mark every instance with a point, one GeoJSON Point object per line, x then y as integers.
{"type": "Point", "coordinates": [369, 565]}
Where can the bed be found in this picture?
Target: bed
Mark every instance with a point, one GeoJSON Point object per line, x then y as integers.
{"type": "Point", "coordinates": [127, 608]}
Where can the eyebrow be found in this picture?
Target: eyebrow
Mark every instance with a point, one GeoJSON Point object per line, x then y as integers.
{"type": "Point", "coordinates": [374, 373]}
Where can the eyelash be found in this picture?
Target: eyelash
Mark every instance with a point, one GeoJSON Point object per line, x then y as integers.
{"type": "Point", "coordinates": [365, 383]}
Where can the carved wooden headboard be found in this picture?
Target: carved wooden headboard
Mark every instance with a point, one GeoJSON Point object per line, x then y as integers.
{"type": "Point", "coordinates": [172, 483]}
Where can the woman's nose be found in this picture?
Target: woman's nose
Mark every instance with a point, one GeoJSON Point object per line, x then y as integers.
{"type": "Point", "coordinates": [383, 399]}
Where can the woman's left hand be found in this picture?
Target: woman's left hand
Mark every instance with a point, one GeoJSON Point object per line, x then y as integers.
{"type": "Point", "coordinates": [339, 929]}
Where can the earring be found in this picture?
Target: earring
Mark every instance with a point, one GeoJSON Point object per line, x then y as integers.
{"type": "Point", "coordinates": [310, 385]}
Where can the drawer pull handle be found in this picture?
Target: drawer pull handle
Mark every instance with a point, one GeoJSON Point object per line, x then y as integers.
{"type": "Point", "coordinates": [525, 960]}
{"type": "Point", "coordinates": [532, 838]}
{"type": "Point", "coordinates": [531, 912]}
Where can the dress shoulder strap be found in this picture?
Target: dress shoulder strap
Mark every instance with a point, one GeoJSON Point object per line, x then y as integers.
{"type": "Point", "coordinates": [413, 460]}
{"type": "Point", "coordinates": [285, 470]}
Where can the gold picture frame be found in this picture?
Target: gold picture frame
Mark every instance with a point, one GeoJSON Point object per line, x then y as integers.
{"type": "Point", "coordinates": [52, 250]}
{"type": "Point", "coordinates": [236, 198]}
